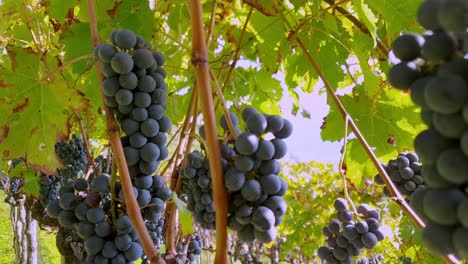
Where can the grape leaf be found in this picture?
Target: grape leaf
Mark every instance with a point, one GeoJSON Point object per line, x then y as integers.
{"type": "Point", "coordinates": [34, 110]}
{"type": "Point", "coordinates": [185, 216]}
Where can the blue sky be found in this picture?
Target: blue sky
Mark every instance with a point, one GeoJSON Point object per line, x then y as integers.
{"type": "Point", "coordinates": [305, 143]}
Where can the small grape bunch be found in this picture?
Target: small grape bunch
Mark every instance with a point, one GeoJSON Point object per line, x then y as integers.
{"type": "Point", "coordinates": [194, 248]}
{"type": "Point", "coordinates": [346, 237]}
{"type": "Point", "coordinates": [405, 172]}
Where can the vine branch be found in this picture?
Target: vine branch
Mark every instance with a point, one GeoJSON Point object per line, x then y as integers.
{"type": "Point", "coordinates": [85, 140]}
{"type": "Point", "coordinates": [131, 204]}
{"type": "Point", "coordinates": [340, 167]}
{"type": "Point", "coordinates": [200, 63]}
{"type": "Point", "coordinates": [63, 66]}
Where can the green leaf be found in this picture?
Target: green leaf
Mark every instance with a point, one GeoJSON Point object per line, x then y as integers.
{"type": "Point", "coordinates": [185, 216]}
{"type": "Point", "coordinates": [34, 110]}
{"type": "Point", "coordinates": [367, 17]}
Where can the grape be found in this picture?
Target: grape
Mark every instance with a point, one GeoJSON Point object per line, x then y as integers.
{"type": "Point", "coordinates": [123, 225]}
{"type": "Point", "coordinates": [426, 116]}
{"type": "Point", "coordinates": [67, 218]}
{"type": "Point", "coordinates": [132, 155]}
{"type": "Point", "coordinates": [223, 121]}
{"type": "Point", "coordinates": [142, 99]}
{"type": "Point", "coordinates": [284, 187]}
{"type": "Point", "coordinates": [103, 229]}
{"type": "Point", "coordinates": [340, 204]}
{"type": "Point", "coordinates": [109, 251]}
{"type": "Point", "coordinates": [148, 167]}
{"type": "Point", "coordinates": [126, 109]}
{"type": "Point", "coordinates": [164, 124]}
{"type": "Point", "coordinates": [277, 204]}
{"type": "Point", "coordinates": [100, 183]}
{"type": "Point", "coordinates": [137, 140]}
{"type": "Point", "coordinates": [446, 93]}
{"type": "Point", "coordinates": [429, 144]}
{"type": "Point", "coordinates": [155, 112]}
{"type": "Point", "coordinates": [247, 143]}
{"type": "Point", "coordinates": [149, 127]}
{"type": "Point", "coordinates": [123, 242]}
{"type": "Point", "coordinates": [128, 81]}
{"type": "Point", "coordinates": [234, 179]}
{"type": "Point", "coordinates": [350, 232]}
{"type": "Point", "coordinates": [243, 163]}
{"type": "Point", "coordinates": [124, 39]}
{"type": "Point", "coordinates": [449, 125]}
{"type": "Point", "coordinates": [146, 84]}
{"type": "Point", "coordinates": [452, 164]}
{"type": "Point", "coordinates": [251, 190]}
{"type": "Point", "coordinates": [285, 131]}
{"type": "Point", "coordinates": [256, 123]}
{"type": "Point", "coordinates": [266, 236]}
{"type": "Point", "coordinates": [144, 197]}
{"type": "Point", "coordinates": [93, 245]}
{"type": "Point", "coordinates": [280, 148]}
{"type": "Point", "coordinates": [441, 205]}
{"type": "Point", "coordinates": [438, 238]}
{"type": "Point", "coordinates": [159, 57]}
{"type": "Point", "coordinates": [121, 62]}
{"type": "Point", "coordinates": [143, 181]}
{"type": "Point", "coordinates": [246, 234]}
{"type": "Point", "coordinates": [265, 150]}
{"type": "Point", "coordinates": [452, 15]}
{"type": "Point", "coordinates": [106, 52]}
{"type": "Point", "coordinates": [93, 199]}
{"type": "Point", "coordinates": [68, 201]}
{"type": "Point", "coordinates": [110, 86]}
{"type": "Point", "coordinates": [119, 259]}
{"type": "Point", "coordinates": [95, 215]}
{"type": "Point", "coordinates": [439, 46]}
{"type": "Point", "coordinates": [270, 167]}
{"type": "Point", "coordinates": [149, 152]}
{"type": "Point", "coordinates": [402, 75]}
{"type": "Point", "coordinates": [369, 240]}
{"type": "Point", "coordinates": [143, 58]}
{"type": "Point", "coordinates": [324, 252]}
{"type": "Point", "coordinates": [457, 66]}
{"type": "Point", "coordinates": [130, 126]}
{"type": "Point", "coordinates": [123, 97]}
{"type": "Point", "coordinates": [274, 123]}
{"type": "Point", "coordinates": [160, 139]}
{"type": "Point", "coordinates": [107, 70]}
{"type": "Point", "coordinates": [158, 96]}
{"type": "Point", "coordinates": [85, 230]}
{"type": "Point", "coordinates": [164, 193]}
{"type": "Point", "coordinates": [427, 14]}
{"type": "Point", "coordinates": [270, 184]}
{"type": "Point", "coordinates": [407, 47]}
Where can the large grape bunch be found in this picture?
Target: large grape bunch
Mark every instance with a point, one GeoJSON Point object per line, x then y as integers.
{"type": "Point", "coordinates": [405, 173]}
{"type": "Point", "coordinates": [86, 206]}
{"type": "Point", "coordinates": [48, 187]}
{"type": "Point", "coordinates": [197, 186]}
{"type": "Point", "coordinates": [434, 68]}
{"type": "Point", "coordinates": [136, 91]}
{"type": "Point", "coordinates": [72, 153]}
{"type": "Point", "coordinates": [346, 237]}
{"type": "Point", "coordinates": [251, 176]}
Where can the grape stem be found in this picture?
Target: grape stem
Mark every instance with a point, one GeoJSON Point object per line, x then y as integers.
{"type": "Point", "coordinates": [340, 167]}
{"type": "Point", "coordinates": [227, 116]}
{"type": "Point", "coordinates": [131, 204]}
{"type": "Point", "coordinates": [396, 196]}
{"type": "Point", "coordinates": [63, 66]}
{"type": "Point", "coordinates": [200, 63]}
{"type": "Point", "coordinates": [85, 140]}
{"type": "Point", "coordinates": [171, 210]}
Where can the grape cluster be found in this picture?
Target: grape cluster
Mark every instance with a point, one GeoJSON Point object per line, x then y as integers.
{"type": "Point", "coordinates": [72, 153]}
{"type": "Point", "coordinates": [156, 231]}
{"type": "Point", "coordinates": [136, 91]}
{"type": "Point", "coordinates": [251, 177]}
{"type": "Point", "coordinates": [345, 237]}
{"type": "Point", "coordinates": [405, 172]}
{"type": "Point", "coordinates": [434, 68]}
{"type": "Point", "coordinates": [48, 187]}
{"type": "Point", "coordinates": [194, 248]}
{"type": "Point", "coordinates": [82, 205]}
{"type": "Point", "coordinates": [197, 186]}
